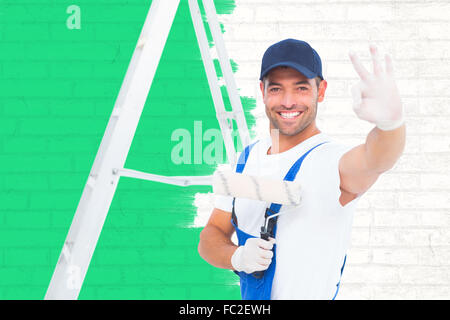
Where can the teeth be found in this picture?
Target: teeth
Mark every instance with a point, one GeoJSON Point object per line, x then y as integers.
{"type": "Point", "coordinates": [289, 115]}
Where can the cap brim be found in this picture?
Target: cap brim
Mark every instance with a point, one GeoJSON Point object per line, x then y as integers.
{"type": "Point", "coordinates": [303, 70]}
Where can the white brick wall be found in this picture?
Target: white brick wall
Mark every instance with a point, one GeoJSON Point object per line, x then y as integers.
{"type": "Point", "coordinates": [401, 236]}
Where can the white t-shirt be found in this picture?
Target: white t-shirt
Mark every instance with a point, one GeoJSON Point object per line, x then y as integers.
{"type": "Point", "coordinates": [312, 239]}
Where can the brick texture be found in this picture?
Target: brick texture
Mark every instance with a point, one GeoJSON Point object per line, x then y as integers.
{"type": "Point", "coordinates": [400, 246]}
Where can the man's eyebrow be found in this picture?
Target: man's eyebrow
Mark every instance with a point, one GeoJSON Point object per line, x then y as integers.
{"type": "Point", "coordinates": [271, 83]}
{"type": "Point", "coordinates": [302, 82]}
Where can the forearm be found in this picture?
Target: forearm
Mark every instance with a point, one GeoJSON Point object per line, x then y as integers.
{"type": "Point", "coordinates": [384, 148]}
{"type": "Point", "coordinates": [216, 248]}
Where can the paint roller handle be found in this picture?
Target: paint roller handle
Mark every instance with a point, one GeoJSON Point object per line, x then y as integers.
{"type": "Point", "coordinates": [266, 233]}
{"type": "Point", "coordinates": [265, 236]}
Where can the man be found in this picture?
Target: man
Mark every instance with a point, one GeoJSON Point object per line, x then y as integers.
{"type": "Point", "coordinates": [305, 254]}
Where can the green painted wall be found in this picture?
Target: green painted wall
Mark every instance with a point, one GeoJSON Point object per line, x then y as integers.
{"type": "Point", "coordinates": [58, 88]}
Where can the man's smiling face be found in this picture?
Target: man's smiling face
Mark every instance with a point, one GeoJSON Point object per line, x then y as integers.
{"type": "Point", "coordinates": [291, 100]}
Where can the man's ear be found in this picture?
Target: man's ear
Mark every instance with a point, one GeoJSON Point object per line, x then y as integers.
{"type": "Point", "coordinates": [261, 85]}
{"type": "Point", "coordinates": [321, 91]}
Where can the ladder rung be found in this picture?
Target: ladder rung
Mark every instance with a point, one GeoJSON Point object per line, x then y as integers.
{"type": "Point", "coordinates": [183, 181]}
{"type": "Point", "coordinates": [91, 181]}
{"type": "Point", "coordinates": [116, 112]}
{"type": "Point", "coordinates": [141, 43]}
{"type": "Point", "coordinates": [228, 115]}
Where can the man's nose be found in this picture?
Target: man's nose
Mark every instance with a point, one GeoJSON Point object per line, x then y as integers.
{"type": "Point", "coordinates": [288, 100]}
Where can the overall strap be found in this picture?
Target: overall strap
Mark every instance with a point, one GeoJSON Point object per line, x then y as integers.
{"type": "Point", "coordinates": [242, 161]}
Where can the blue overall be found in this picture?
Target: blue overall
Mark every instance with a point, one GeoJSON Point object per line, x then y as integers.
{"type": "Point", "coordinates": [253, 288]}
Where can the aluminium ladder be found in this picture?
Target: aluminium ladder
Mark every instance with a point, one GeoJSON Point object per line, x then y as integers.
{"type": "Point", "coordinates": [108, 165]}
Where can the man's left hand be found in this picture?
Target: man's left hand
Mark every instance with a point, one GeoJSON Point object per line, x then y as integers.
{"type": "Point", "coordinates": [376, 97]}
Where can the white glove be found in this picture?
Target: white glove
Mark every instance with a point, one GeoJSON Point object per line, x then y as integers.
{"type": "Point", "coordinates": [376, 97]}
{"type": "Point", "coordinates": [255, 255]}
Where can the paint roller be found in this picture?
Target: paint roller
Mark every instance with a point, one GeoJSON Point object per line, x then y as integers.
{"type": "Point", "coordinates": [238, 185]}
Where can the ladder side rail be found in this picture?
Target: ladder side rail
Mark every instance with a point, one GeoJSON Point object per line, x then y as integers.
{"type": "Point", "coordinates": [208, 63]}
{"type": "Point", "coordinates": [225, 65]}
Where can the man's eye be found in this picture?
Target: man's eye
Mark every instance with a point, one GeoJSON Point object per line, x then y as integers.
{"type": "Point", "coordinates": [274, 90]}
{"type": "Point", "coordinates": [303, 88]}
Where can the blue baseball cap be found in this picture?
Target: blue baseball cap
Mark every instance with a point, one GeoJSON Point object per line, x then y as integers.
{"type": "Point", "coordinates": [295, 54]}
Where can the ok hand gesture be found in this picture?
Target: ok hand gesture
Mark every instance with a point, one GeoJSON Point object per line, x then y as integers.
{"type": "Point", "coordinates": [376, 97]}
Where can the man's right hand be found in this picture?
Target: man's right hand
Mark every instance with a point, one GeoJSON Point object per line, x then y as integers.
{"type": "Point", "coordinates": [255, 255]}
